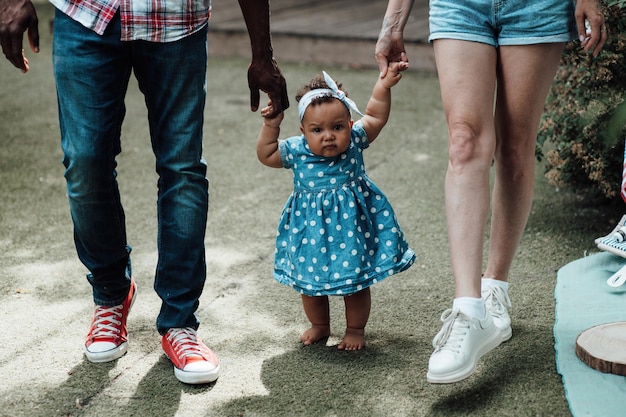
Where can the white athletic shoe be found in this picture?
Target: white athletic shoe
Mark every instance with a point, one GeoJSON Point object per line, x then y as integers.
{"type": "Point", "coordinates": [460, 343]}
{"type": "Point", "coordinates": [497, 302]}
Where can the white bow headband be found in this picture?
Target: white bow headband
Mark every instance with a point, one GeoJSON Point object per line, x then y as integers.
{"type": "Point", "coordinates": [331, 91]}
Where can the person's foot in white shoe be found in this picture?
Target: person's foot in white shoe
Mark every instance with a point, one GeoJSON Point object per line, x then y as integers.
{"type": "Point", "coordinates": [460, 343]}
{"type": "Point", "coordinates": [497, 303]}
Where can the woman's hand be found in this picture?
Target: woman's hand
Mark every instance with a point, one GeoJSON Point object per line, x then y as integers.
{"type": "Point", "coordinates": [590, 24]}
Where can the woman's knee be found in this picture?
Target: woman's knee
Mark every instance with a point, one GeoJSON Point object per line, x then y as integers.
{"type": "Point", "coordinates": [466, 146]}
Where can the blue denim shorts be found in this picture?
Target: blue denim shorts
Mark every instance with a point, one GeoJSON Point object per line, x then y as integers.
{"type": "Point", "coordinates": [503, 22]}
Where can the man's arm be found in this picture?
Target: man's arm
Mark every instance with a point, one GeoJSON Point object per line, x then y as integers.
{"type": "Point", "coordinates": [263, 73]}
{"type": "Point", "coordinates": [17, 17]}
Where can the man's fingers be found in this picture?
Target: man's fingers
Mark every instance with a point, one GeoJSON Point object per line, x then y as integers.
{"type": "Point", "coordinates": [285, 100]}
{"type": "Point", "coordinates": [33, 37]}
{"type": "Point", "coordinates": [254, 98]}
{"type": "Point", "coordinates": [276, 106]}
{"type": "Point", "coordinates": [25, 62]}
{"type": "Point", "coordinates": [270, 83]}
{"type": "Point", "coordinates": [14, 53]}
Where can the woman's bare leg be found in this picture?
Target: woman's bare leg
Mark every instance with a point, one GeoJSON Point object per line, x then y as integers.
{"type": "Point", "coordinates": [525, 74]}
{"type": "Point", "coordinates": [467, 77]}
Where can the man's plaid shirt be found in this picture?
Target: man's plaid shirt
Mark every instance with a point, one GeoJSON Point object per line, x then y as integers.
{"type": "Point", "coordinates": [149, 20]}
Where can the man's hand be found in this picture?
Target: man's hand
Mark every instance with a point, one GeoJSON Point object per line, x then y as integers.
{"type": "Point", "coordinates": [17, 17]}
{"type": "Point", "coordinates": [266, 76]}
{"type": "Point", "coordinates": [263, 73]}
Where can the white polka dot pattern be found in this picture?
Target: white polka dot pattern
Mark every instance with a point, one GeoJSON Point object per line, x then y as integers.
{"type": "Point", "coordinates": [338, 232]}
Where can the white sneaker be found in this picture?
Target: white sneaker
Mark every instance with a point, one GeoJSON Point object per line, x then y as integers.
{"type": "Point", "coordinates": [458, 346]}
{"type": "Point", "coordinates": [497, 302]}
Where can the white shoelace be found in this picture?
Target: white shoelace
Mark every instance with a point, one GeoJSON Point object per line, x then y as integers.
{"type": "Point", "coordinates": [185, 342]}
{"type": "Point", "coordinates": [455, 328]}
{"type": "Point", "coordinates": [497, 300]}
{"type": "Point", "coordinates": [105, 322]}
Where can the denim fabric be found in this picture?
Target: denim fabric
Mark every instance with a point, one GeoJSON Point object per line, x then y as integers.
{"type": "Point", "coordinates": [503, 22]}
{"type": "Point", "coordinates": [92, 74]}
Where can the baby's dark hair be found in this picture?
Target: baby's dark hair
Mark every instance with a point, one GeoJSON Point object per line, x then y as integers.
{"type": "Point", "coordinates": [316, 83]}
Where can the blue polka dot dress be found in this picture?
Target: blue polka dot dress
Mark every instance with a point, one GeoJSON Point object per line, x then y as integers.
{"type": "Point", "coordinates": [338, 233]}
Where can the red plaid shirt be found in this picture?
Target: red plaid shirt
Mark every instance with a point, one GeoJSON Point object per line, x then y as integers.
{"type": "Point", "coordinates": [153, 20]}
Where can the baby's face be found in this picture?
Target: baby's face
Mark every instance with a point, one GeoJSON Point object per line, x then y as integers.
{"type": "Point", "coordinates": [327, 127]}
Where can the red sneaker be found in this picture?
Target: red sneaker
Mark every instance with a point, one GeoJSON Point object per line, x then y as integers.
{"type": "Point", "coordinates": [194, 362]}
{"type": "Point", "coordinates": [108, 338]}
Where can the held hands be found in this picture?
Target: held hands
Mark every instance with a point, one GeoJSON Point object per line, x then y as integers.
{"type": "Point", "coordinates": [16, 17]}
{"type": "Point", "coordinates": [393, 75]}
{"type": "Point", "coordinates": [266, 76]}
{"type": "Point", "coordinates": [389, 48]}
{"type": "Point", "coordinates": [590, 25]}
{"type": "Point", "coordinates": [272, 117]}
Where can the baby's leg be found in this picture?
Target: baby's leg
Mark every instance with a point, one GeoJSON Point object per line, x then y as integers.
{"type": "Point", "coordinates": [318, 313]}
{"type": "Point", "coordinates": [357, 313]}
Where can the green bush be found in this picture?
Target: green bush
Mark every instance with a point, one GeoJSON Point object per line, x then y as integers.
{"type": "Point", "coordinates": [584, 124]}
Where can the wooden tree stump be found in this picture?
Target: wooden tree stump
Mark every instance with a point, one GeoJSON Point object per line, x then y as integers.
{"type": "Point", "coordinates": [603, 347]}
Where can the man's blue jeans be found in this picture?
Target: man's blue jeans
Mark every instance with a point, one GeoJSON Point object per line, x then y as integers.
{"type": "Point", "coordinates": [92, 74]}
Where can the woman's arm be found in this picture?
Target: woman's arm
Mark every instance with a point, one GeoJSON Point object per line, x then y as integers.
{"type": "Point", "coordinates": [390, 44]}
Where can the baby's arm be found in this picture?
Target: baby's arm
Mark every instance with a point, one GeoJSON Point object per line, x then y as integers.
{"type": "Point", "coordinates": [379, 104]}
{"type": "Point", "coordinates": [267, 143]}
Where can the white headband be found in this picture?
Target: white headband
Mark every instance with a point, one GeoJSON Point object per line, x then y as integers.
{"type": "Point", "coordinates": [331, 91]}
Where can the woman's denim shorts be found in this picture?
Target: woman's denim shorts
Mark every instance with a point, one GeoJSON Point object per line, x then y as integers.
{"type": "Point", "coordinates": [503, 22]}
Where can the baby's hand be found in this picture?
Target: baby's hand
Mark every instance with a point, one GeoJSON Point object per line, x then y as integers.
{"type": "Point", "coordinates": [271, 121]}
{"type": "Point", "coordinates": [393, 73]}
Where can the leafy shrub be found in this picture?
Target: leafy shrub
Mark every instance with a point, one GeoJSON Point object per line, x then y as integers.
{"type": "Point", "coordinates": [584, 123]}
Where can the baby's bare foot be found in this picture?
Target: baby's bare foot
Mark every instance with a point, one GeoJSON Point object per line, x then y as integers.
{"type": "Point", "coordinates": [353, 339]}
{"type": "Point", "coordinates": [315, 334]}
